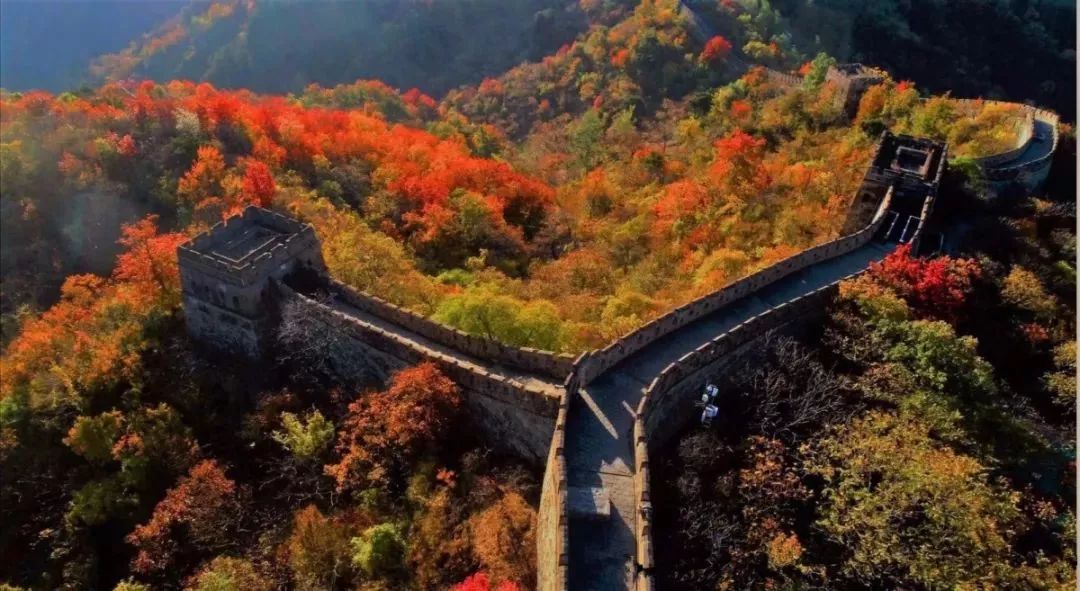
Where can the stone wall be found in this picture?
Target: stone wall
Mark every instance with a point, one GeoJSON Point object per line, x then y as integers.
{"type": "Point", "coordinates": [227, 304]}
{"type": "Point", "coordinates": [783, 79]}
{"type": "Point", "coordinates": [1027, 132]}
{"type": "Point", "coordinates": [606, 358]}
{"type": "Point", "coordinates": [666, 407]}
{"type": "Point", "coordinates": [645, 580]}
{"type": "Point", "coordinates": [223, 329]}
{"type": "Point", "coordinates": [1031, 174]}
{"type": "Point", "coordinates": [853, 80]}
{"type": "Point", "coordinates": [553, 535]}
{"type": "Point", "coordinates": [545, 363]}
{"type": "Point", "coordinates": [924, 218]}
{"type": "Point", "coordinates": [516, 416]}
{"type": "Point", "coordinates": [997, 167]}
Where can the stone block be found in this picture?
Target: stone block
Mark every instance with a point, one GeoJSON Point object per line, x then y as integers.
{"type": "Point", "coordinates": [588, 502]}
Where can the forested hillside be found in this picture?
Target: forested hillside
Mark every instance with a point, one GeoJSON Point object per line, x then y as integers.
{"type": "Point", "coordinates": [1020, 50]}
{"type": "Point", "coordinates": [923, 439]}
{"type": "Point", "coordinates": [49, 45]}
{"type": "Point", "coordinates": [438, 46]}
{"type": "Point", "coordinates": [590, 167]}
{"type": "Point", "coordinates": [284, 46]}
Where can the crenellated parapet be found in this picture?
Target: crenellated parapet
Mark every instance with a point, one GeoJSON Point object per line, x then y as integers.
{"type": "Point", "coordinates": [913, 166]}
{"type": "Point", "coordinates": [516, 411]}
{"type": "Point", "coordinates": [236, 259]}
{"type": "Point", "coordinates": [235, 280]}
{"type": "Point", "coordinates": [553, 521]}
{"type": "Point", "coordinates": [604, 359]}
{"type": "Point", "coordinates": [544, 363]}
{"type": "Point", "coordinates": [225, 276]}
{"type": "Point", "coordinates": [1029, 164]}
{"type": "Point", "coordinates": [245, 249]}
{"type": "Point", "coordinates": [853, 80]}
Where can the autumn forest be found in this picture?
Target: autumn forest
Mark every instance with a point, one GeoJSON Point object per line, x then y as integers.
{"type": "Point", "coordinates": [606, 163]}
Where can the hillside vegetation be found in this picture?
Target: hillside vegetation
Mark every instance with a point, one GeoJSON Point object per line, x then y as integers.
{"type": "Point", "coordinates": [1021, 51]}
{"type": "Point", "coordinates": [622, 159]}
{"type": "Point", "coordinates": [284, 46]}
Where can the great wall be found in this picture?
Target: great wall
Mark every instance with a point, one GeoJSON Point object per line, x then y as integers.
{"type": "Point", "coordinates": [591, 421]}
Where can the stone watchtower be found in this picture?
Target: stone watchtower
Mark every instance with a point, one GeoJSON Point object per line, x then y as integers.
{"type": "Point", "coordinates": [911, 166]}
{"type": "Point", "coordinates": [226, 272]}
{"type": "Point", "coordinates": [853, 80]}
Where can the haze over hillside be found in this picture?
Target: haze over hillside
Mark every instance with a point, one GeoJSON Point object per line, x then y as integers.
{"type": "Point", "coordinates": [282, 46]}
{"type": "Point", "coordinates": [49, 44]}
{"type": "Point", "coordinates": [1020, 50]}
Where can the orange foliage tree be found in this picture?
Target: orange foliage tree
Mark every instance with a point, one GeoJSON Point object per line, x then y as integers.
{"type": "Point", "coordinates": [198, 513]}
{"type": "Point", "coordinates": [504, 538]}
{"type": "Point", "coordinates": [150, 258]}
{"type": "Point", "coordinates": [385, 430]}
{"type": "Point", "coordinates": [93, 335]}
{"type": "Point", "coordinates": [203, 180]}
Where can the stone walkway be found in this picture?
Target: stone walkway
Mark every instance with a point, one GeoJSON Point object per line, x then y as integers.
{"type": "Point", "coordinates": [1037, 148]}
{"type": "Point", "coordinates": [600, 423]}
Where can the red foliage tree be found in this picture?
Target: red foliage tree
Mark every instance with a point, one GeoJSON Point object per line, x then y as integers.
{"type": "Point", "coordinates": [715, 49]}
{"type": "Point", "coordinates": [620, 58]}
{"type": "Point", "coordinates": [740, 109]}
{"type": "Point", "coordinates": [739, 163]}
{"type": "Point", "coordinates": [681, 201]}
{"type": "Point", "coordinates": [259, 183]}
{"type": "Point", "coordinates": [481, 582]}
{"type": "Point", "coordinates": [934, 288]}
{"type": "Point", "coordinates": [126, 146]}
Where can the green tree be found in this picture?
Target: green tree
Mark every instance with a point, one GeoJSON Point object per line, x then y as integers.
{"type": "Point", "coordinates": [939, 359]}
{"type": "Point", "coordinates": [379, 551]}
{"type": "Point", "coordinates": [585, 138]}
{"type": "Point", "coordinates": [1023, 289]}
{"type": "Point", "coordinates": [307, 438]}
{"type": "Point", "coordinates": [98, 500]}
{"type": "Point", "coordinates": [909, 511]}
{"type": "Point", "coordinates": [1062, 381]}
{"type": "Point", "coordinates": [126, 585]}
{"type": "Point", "coordinates": [225, 573]}
{"type": "Point", "coordinates": [94, 437]}
{"type": "Point", "coordinates": [819, 67]}
{"type": "Point", "coordinates": [485, 312]}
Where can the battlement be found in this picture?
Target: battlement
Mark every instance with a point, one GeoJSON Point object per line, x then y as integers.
{"type": "Point", "coordinates": [855, 70]}
{"type": "Point", "coordinates": [246, 248]}
{"type": "Point", "coordinates": [905, 154]}
{"type": "Point", "coordinates": [225, 273]}
{"type": "Point", "coordinates": [913, 165]}
{"type": "Point", "coordinates": [853, 80]}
